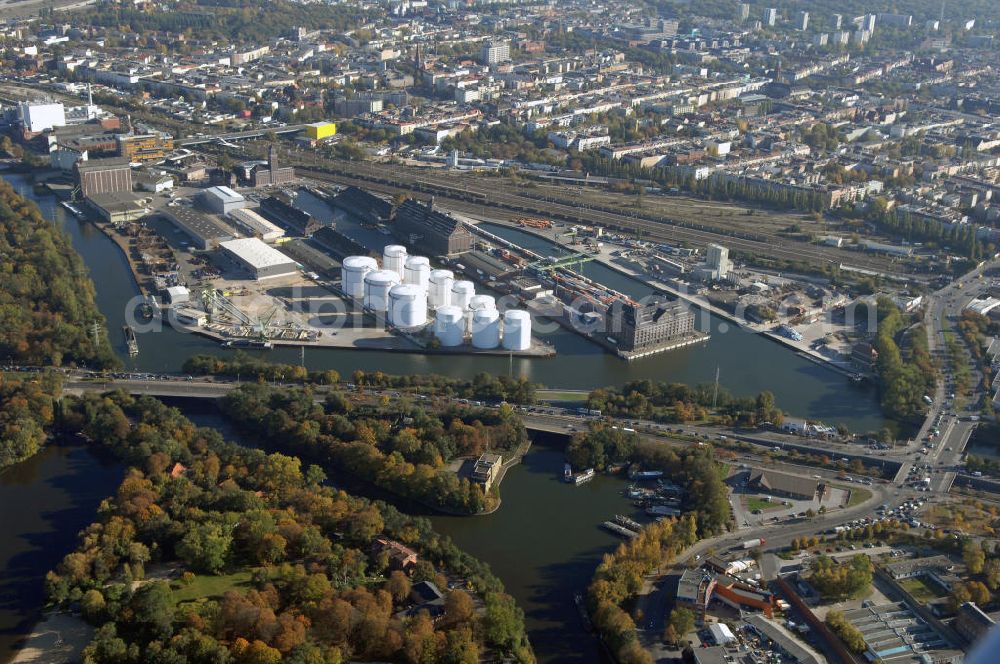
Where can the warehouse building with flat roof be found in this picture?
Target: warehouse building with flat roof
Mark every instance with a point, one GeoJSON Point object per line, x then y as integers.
{"type": "Point", "coordinates": [260, 260]}
{"type": "Point", "coordinates": [119, 207]}
{"type": "Point", "coordinates": [253, 224]}
{"type": "Point", "coordinates": [204, 231]}
{"type": "Point", "coordinates": [222, 200]}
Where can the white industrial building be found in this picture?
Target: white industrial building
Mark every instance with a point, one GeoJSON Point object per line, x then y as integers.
{"type": "Point", "coordinates": [41, 116]}
{"type": "Point", "coordinates": [260, 260]}
{"type": "Point", "coordinates": [222, 200]}
{"type": "Point", "coordinates": [256, 225]}
{"type": "Point", "coordinates": [178, 295]}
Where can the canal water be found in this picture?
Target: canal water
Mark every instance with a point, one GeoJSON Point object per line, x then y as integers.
{"type": "Point", "coordinates": [544, 543]}
{"type": "Point", "coordinates": [44, 502]}
{"type": "Point", "coordinates": [747, 363]}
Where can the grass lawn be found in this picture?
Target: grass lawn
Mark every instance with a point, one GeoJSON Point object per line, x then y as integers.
{"type": "Point", "coordinates": [209, 586]}
{"type": "Point", "coordinates": [858, 496]}
{"type": "Point", "coordinates": [921, 590]}
{"type": "Point", "coordinates": [724, 469]}
{"type": "Point", "coordinates": [754, 503]}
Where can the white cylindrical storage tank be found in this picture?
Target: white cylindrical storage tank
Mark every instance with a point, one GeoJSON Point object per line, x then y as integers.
{"type": "Point", "coordinates": [352, 274]}
{"type": "Point", "coordinates": [516, 329]}
{"type": "Point", "coordinates": [449, 325]}
{"type": "Point", "coordinates": [482, 302]}
{"type": "Point", "coordinates": [377, 286]}
{"type": "Point", "coordinates": [394, 259]}
{"type": "Point", "coordinates": [486, 328]}
{"type": "Point", "coordinates": [461, 293]}
{"type": "Point", "coordinates": [417, 271]}
{"type": "Point", "coordinates": [407, 305]}
{"type": "Point", "coordinates": [439, 288]}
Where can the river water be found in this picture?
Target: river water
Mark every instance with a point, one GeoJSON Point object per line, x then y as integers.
{"type": "Point", "coordinates": [44, 502]}
{"type": "Point", "coordinates": [545, 540]}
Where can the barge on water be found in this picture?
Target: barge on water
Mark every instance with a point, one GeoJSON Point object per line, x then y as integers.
{"type": "Point", "coordinates": [619, 530]}
{"type": "Point", "coordinates": [258, 344]}
{"type": "Point", "coordinates": [74, 210]}
{"type": "Point", "coordinates": [578, 478]}
{"type": "Point", "coordinates": [130, 340]}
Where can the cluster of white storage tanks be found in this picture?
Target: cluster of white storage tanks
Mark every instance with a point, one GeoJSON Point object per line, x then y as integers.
{"type": "Point", "coordinates": [406, 287]}
{"type": "Point", "coordinates": [407, 305]}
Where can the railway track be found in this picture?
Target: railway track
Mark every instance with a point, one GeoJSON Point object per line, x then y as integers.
{"type": "Point", "coordinates": [475, 199]}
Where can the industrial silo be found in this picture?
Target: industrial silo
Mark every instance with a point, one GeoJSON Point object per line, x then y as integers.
{"type": "Point", "coordinates": [461, 293]}
{"type": "Point", "coordinates": [516, 329]}
{"type": "Point", "coordinates": [407, 305]}
{"type": "Point", "coordinates": [439, 288]}
{"type": "Point", "coordinates": [449, 325]}
{"type": "Point", "coordinates": [478, 302]}
{"type": "Point", "coordinates": [352, 274]}
{"type": "Point", "coordinates": [417, 271]}
{"type": "Point", "coordinates": [377, 286]}
{"type": "Point", "coordinates": [394, 259]}
{"type": "Point", "coordinates": [485, 328]}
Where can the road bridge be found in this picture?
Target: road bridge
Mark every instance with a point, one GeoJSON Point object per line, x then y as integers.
{"type": "Point", "coordinates": [250, 134]}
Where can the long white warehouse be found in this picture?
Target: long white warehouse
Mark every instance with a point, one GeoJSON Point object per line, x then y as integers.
{"type": "Point", "coordinates": [256, 225]}
{"type": "Point", "coordinates": [259, 259]}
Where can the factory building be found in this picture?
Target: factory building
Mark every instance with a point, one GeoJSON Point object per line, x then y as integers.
{"type": "Point", "coordinates": [280, 210]}
{"type": "Point", "coordinates": [259, 259]}
{"type": "Point", "coordinates": [367, 208]}
{"type": "Point", "coordinates": [431, 231]}
{"type": "Point", "coordinates": [204, 231]}
{"type": "Point", "coordinates": [145, 147]}
{"type": "Point", "coordinates": [221, 200]}
{"type": "Point", "coordinates": [637, 327]}
{"type": "Point", "coordinates": [37, 117]}
{"type": "Point", "coordinates": [272, 174]}
{"type": "Point", "coordinates": [102, 176]}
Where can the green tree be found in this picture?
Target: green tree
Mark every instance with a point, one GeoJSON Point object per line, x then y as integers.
{"type": "Point", "coordinates": [205, 547]}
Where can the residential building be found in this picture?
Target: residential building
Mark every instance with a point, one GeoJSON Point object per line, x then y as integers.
{"type": "Point", "coordinates": [401, 557]}
{"type": "Point", "coordinates": [770, 16]}
{"type": "Point", "coordinates": [495, 52]}
{"type": "Point", "coordinates": [487, 469]}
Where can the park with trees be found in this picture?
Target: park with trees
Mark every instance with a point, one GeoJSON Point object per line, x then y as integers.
{"type": "Point", "coordinates": [277, 565]}
{"type": "Point", "coordinates": [396, 445]}
{"type": "Point", "coordinates": [48, 313]}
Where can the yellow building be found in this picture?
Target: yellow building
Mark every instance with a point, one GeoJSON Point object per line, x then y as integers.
{"type": "Point", "coordinates": [145, 147]}
{"type": "Point", "coordinates": [320, 130]}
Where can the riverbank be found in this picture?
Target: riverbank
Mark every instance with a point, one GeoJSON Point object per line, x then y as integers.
{"type": "Point", "coordinates": [57, 639]}
{"type": "Point", "coordinates": [363, 338]}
